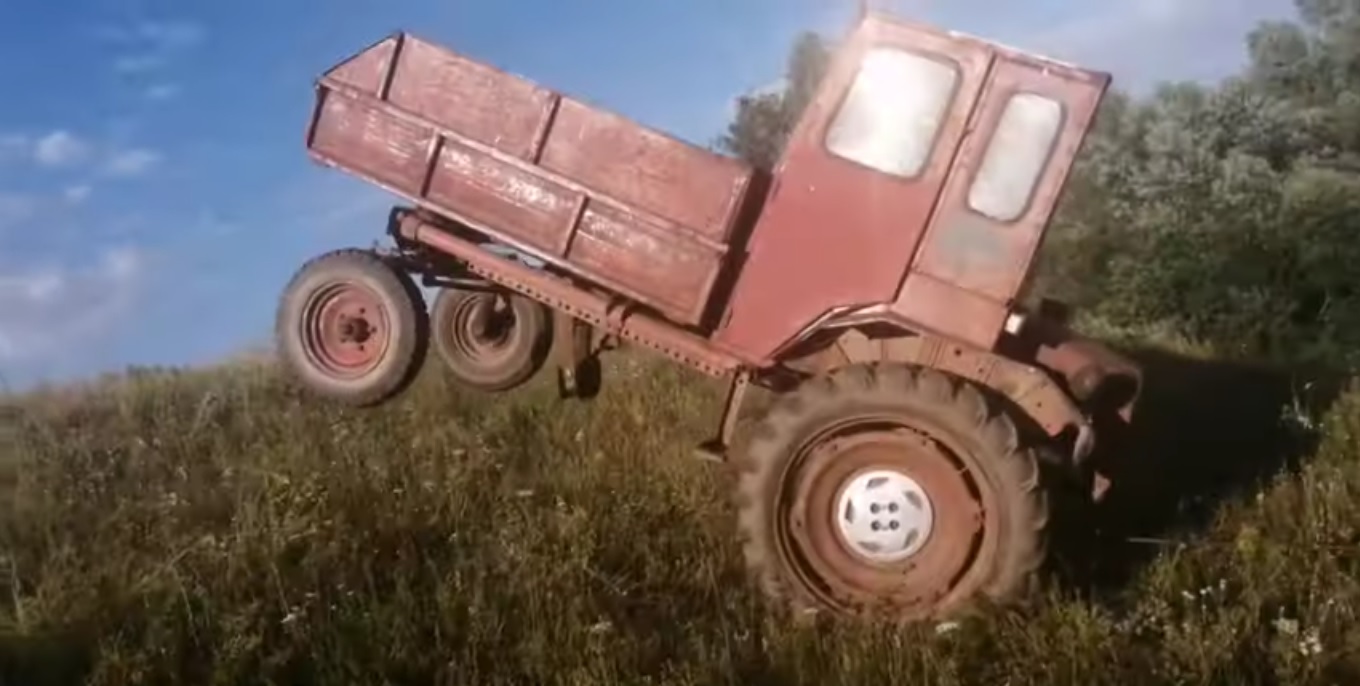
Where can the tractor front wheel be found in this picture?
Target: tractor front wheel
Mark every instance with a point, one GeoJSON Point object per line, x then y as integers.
{"type": "Point", "coordinates": [891, 491]}
{"type": "Point", "coordinates": [352, 328]}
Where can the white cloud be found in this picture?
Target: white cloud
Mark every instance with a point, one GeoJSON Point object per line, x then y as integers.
{"type": "Point", "coordinates": [77, 195]}
{"type": "Point", "coordinates": [46, 310]}
{"type": "Point", "coordinates": [151, 43]}
{"type": "Point", "coordinates": [59, 149]}
{"type": "Point", "coordinates": [132, 162]}
{"type": "Point", "coordinates": [63, 149]}
{"type": "Point", "coordinates": [162, 91]}
{"type": "Point", "coordinates": [171, 34]}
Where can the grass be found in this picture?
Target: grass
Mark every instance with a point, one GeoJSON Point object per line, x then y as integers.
{"type": "Point", "coordinates": [218, 527]}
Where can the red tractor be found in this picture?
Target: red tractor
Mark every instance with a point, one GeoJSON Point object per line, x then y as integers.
{"type": "Point", "coordinates": [872, 281]}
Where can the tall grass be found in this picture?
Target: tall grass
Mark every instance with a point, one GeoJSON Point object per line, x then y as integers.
{"type": "Point", "coordinates": [219, 527]}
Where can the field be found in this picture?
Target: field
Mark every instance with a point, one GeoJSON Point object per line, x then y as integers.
{"type": "Point", "coordinates": [215, 526]}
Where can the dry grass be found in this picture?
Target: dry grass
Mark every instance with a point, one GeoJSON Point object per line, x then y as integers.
{"type": "Point", "coordinates": [217, 527]}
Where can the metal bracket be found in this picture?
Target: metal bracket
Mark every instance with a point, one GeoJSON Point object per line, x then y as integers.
{"type": "Point", "coordinates": [715, 449]}
{"type": "Point", "coordinates": [578, 369]}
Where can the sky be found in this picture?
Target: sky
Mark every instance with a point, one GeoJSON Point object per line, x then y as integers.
{"type": "Point", "coordinates": [155, 194]}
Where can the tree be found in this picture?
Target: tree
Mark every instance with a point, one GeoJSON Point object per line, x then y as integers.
{"type": "Point", "coordinates": [764, 120]}
{"type": "Point", "coordinates": [1229, 213]}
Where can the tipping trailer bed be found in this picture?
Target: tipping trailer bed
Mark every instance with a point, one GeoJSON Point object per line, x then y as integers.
{"type": "Point", "coordinates": [591, 192]}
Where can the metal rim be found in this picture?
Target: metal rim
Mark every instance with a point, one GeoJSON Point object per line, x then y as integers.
{"type": "Point", "coordinates": [482, 328]}
{"type": "Point", "coordinates": [346, 330]}
{"type": "Point", "coordinates": [952, 516]}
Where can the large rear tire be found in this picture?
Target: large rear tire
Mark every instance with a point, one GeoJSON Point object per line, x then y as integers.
{"type": "Point", "coordinates": [491, 340]}
{"type": "Point", "coordinates": [352, 328]}
{"type": "Point", "coordinates": [890, 491]}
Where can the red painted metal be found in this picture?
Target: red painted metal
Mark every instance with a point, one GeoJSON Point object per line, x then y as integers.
{"type": "Point", "coordinates": [656, 241]}
{"type": "Point", "coordinates": [615, 203]}
{"type": "Point", "coordinates": [833, 233]}
{"type": "Point", "coordinates": [979, 255]}
{"type": "Point", "coordinates": [603, 312]}
{"type": "Point", "coordinates": [899, 228]}
{"type": "Point", "coordinates": [827, 214]}
{"type": "Point", "coordinates": [345, 330]}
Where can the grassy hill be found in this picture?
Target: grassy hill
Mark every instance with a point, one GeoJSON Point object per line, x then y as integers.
{"type": "Point", "coordinates": [217, 527]}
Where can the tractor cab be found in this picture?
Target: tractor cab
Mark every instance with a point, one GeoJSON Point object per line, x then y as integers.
{"type": "Point", "coordinates": [916, 189]}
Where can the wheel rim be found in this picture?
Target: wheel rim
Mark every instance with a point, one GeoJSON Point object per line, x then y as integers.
{"type": "Point", "coordinates": [345, 330]}
{"type": "Point", "coordinates": [482, 329]}
{"type": "Point", "coordinates": [826, 518]}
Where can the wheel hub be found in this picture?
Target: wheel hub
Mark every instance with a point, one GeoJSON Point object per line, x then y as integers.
{"type": "Point", "coordinates": [344, 330]}
{"type": "Point", "coordinates": [881, 513]}
{"type": "Point", "coordinates": [482, 328]}
{"type": "Point", "coordinates": [354, 330]}
{"type": "Point", "coordinates": [884, 516]}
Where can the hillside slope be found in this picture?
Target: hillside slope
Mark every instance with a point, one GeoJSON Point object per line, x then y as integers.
{"type": "Point", "coordinates": [218, 527]}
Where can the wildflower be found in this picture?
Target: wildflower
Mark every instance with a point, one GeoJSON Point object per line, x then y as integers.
{"type": "Point", "coordinates": [946, 627]}
{"type": "Point", "coordinates": [1286, 627]}
{"type": "Point", "coordinates": [1311, 645]}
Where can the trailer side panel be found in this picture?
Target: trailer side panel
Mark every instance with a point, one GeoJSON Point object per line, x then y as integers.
{"type": "Point", "coordinates": [588, 191]}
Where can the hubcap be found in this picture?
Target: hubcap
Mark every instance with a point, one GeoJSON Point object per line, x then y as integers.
{"type": "Point", "coordinates": [885, 516]}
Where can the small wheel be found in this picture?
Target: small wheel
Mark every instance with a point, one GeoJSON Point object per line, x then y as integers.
{"type": "Point", "coordinates": [889, 491]}
{"type": "Point", "coordinates": [491, 340]}
{"type": "Point", "coordinates": [352, 328]}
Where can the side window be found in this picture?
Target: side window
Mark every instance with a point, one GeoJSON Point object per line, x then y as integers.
{"type": "Point", "coordinates": [893, 111]}
{"type": "Point", "coordinates": [1016, 156]}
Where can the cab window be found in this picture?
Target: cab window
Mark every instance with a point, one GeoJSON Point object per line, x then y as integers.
{"type": "Point", "coordinates": [893, 111]}
{"type": "Point", "coordinates": [1016, 156]}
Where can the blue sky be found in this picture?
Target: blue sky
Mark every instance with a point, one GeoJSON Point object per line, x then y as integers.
{"type": "Point", "coordinates": [155, 195]}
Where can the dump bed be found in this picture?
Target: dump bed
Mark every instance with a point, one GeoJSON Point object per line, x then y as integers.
{"type": "Point", "coordinates": [612, 201]}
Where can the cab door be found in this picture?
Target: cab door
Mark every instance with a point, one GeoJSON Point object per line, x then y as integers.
{"type": "Point", "coordinates": [858, 182]}
{"type": "Point", "coordinates": [977, 253]}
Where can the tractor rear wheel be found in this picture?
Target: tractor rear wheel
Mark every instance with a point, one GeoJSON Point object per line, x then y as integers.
{"type": "Point", "coordinates": [491, 340]}
{"type": "Point", "coordinates": [890, 491]}
{"type": "Point", "coordinates": [352, 328]}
